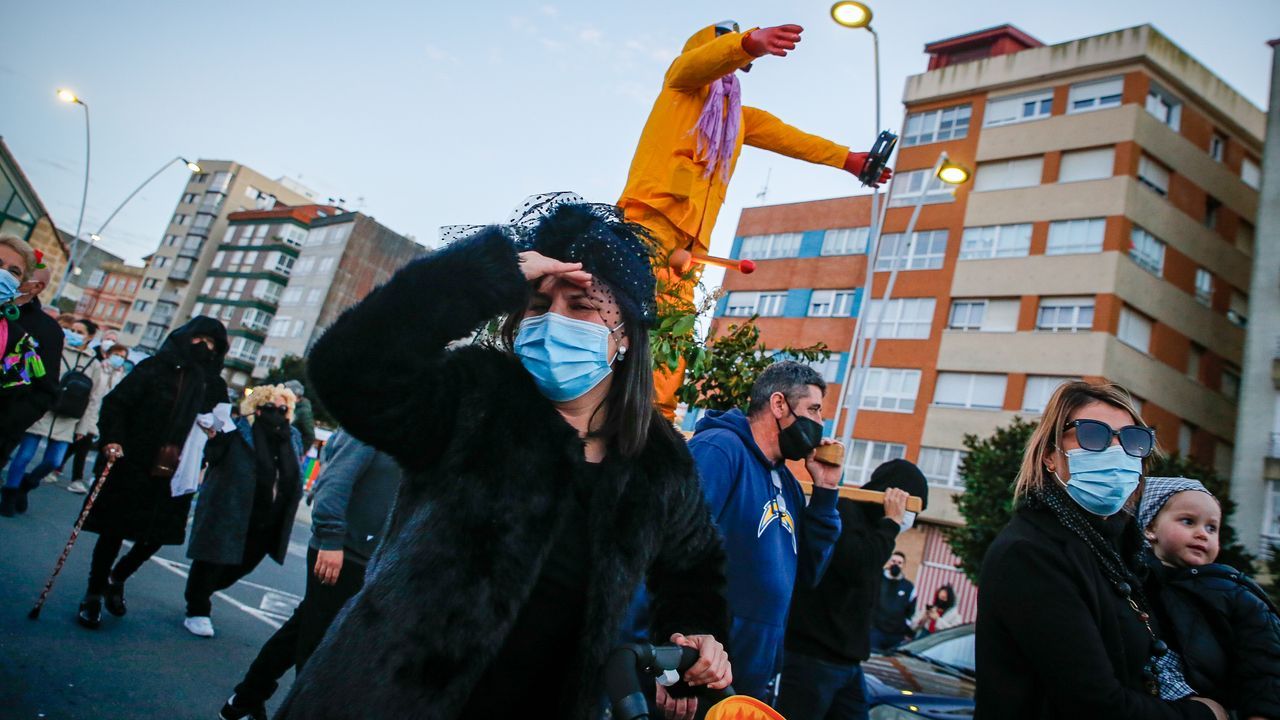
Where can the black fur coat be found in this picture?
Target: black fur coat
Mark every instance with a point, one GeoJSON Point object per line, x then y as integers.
{"type": "Point", "coordinates": [487, 462]}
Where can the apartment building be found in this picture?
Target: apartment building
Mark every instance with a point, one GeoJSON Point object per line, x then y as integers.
{"type": "Point", "coordinates": [1107, 233]}
{"type": "Point", "coordinates": [1256, 481]}
{"type": "Point", "coordinates": [108, 294]}
{"type": "Point", "coordinates": [278, 276]}
{"type": "Point", "coordinates": [185, 254]}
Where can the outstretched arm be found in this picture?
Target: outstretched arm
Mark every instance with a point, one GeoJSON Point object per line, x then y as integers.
{"type": "Point", "coordinates": [698, 67]}
{"type": "Point", "coordinates": [763, 130]}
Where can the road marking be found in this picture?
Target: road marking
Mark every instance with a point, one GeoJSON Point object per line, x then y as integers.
{"type": "Point", "coordinates": [271, 617]}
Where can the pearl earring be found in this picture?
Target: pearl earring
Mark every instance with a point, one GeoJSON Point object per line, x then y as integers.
{"type": "Point", "coordinates": [622, 353]}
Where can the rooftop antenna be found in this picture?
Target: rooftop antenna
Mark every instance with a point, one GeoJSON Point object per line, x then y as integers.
{"type": "Point", "coordinates": [764, 191]}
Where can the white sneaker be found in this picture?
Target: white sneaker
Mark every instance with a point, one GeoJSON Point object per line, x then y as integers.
{"type": "Point", "coordinates": [77, 487]}
{"type": "Point", "coordinates": [201, 626]}
{"type": "Point", "coordinates": [51, 478]}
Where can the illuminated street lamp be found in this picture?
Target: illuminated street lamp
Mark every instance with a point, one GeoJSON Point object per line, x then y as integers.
{"type": "Point", "coordinates": [953, 173]}
{"type": "Point", "coordinates": [70, 97]}
{"type": "Point", "coordinates": [851, 14]}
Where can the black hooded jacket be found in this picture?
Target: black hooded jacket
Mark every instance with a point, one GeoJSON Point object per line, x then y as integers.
{"type": "Point", "coordinates": [153, 406]}
{"type": "Point", "coordinates": [832, 621]}
{"type": "Point", "coordinates": [22, 405]}
{"type": "Point", "coordinates": [1228, 633]}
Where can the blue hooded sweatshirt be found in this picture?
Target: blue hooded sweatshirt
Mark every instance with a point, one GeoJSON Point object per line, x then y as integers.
{"type": "Point", "coordinates": [770, 535]}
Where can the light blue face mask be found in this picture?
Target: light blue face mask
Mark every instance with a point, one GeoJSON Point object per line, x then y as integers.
{"type": "Point", "coordinates": [8, 286]}
{"type": "Point", "coordinates": [74, 339]}
{"type": "Point", "coordinates": [1101, 482]}
{"type": "Point", "coordinates": [566, 357]}
{"type": "Point", "coordinates": [116, 361]}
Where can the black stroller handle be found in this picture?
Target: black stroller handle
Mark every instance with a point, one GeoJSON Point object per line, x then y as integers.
{"type": "Point", "coordinates": [627, 664]}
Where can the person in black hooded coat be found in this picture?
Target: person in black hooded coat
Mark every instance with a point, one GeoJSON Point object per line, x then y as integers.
{"type": "Point", "coordinates": [829, 630]}
{"type": "Point", "coordinates": [519, 536]}
{"type": "Point", "coordinates": [153, 406]}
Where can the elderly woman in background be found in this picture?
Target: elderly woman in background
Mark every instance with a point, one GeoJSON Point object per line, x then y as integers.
{"type": "Point", "coordinates": [247, 502]}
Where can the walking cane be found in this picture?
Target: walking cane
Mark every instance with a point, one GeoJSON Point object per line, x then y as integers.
{"type": "Point", "coordinates": [75, 532]}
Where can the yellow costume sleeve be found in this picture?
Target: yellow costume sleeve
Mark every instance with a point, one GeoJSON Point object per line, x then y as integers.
{"type": "Point", "coordinates": [698, 67]}
{"type": "Point", "coordinates": [762, 130]}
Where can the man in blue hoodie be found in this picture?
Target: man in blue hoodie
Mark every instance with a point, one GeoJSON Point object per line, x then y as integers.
{"type": "Point", "coordinates": [772, 538]}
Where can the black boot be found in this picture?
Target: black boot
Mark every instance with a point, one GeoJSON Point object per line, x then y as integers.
{"type": "Point", "coordinates": [8, 498]}
{"type": "Point", "coordinates": [90, 614]}
{"type": "Point", "coordinates": [20, 499]}
{"type": "Point", "coordinates": [114, 598]}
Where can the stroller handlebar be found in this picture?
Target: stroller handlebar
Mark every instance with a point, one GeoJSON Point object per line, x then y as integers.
{"type": "Point", "coordinates": [627, 664]}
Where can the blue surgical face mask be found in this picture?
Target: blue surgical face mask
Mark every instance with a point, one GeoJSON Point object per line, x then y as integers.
{"type": "Point", "coordinates": [74, 339]}
{"type": "Point", "coordinates": [566, 357]}
{"type": "Point", "coordinates": [116, 361]}
{"type": "Point", "coordinates": [1101, 482]}
{"type": "Point", "coordinates": [8, 286]}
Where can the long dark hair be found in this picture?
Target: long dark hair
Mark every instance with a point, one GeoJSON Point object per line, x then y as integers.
{"type": "Point", "coordinates": [629, 403]}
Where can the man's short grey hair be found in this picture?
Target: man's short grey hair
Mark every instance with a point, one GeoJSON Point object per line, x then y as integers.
{"type": "Point", "coordinates": [296, 387]}
{"type": "Point", "coordinates": [788, 377]}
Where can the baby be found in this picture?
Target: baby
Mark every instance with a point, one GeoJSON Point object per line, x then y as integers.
{"type": "Point", "coordinates": [1225, 626]}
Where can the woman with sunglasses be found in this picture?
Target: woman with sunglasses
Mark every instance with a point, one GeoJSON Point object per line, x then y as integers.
{"type": "Point", "coordinates": [247, 502]}
{"type": "Point", "coordinates": [1065, 629]}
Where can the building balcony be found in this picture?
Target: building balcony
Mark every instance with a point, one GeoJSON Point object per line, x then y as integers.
{"type": "Point", "coordinates": [1271, 464]}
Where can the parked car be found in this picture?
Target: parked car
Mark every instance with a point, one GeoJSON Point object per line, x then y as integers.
{"type": "Point", "coordinates": [932, 677]}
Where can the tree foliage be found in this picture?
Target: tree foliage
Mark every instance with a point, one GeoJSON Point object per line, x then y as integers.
{"type": "Point", "coordinates": [986, 504]}
{"type": "Point", "coordinates": [294, 367]}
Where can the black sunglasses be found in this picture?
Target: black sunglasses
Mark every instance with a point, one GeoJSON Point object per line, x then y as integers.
{"type": "Point", "coordinates": [1095, 436]}
{"type": "Point", "coordinates": [278, 409]}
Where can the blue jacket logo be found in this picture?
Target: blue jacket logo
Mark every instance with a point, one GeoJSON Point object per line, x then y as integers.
{"type": "Point", "coordinates": [776, 509]}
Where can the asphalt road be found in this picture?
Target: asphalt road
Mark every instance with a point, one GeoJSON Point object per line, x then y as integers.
{"type": "Point", "coordinates": [144, 665]}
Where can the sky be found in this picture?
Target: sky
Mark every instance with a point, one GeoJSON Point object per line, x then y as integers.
{"type": "Point", "coordinates": [429, 114]}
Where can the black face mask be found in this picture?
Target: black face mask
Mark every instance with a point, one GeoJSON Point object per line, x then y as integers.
{"type": "Point", "coordinates": [200, 353]}
{"type": "Point", "coordinates": [799, 438]}
{"type": "Point", "coordinates": [275, 423]}
{"type": "Point", "coordinates": [895, 570]}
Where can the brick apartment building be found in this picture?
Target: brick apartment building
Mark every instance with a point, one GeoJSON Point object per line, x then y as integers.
{"type": "Point", "coordinates": [1107, 233]}
{"type": "Point", "coordinates": [109, 293]}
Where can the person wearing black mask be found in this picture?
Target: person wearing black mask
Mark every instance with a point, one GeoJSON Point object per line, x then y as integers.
{"type": "Point", "coordinates": [895, 606]}
{"type": "Point", "coordinates": [772, 538]}
{"type": "Point", "coordinates": [833, 624]}
{"type": "Point", "coordinates": [247, 502]}
{"type": "Point", "coordinates": [143, 425]}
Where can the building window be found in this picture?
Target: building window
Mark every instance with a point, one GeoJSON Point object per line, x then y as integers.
{"type": "Point", "coordinates": [829, 368]}
{"type": "Point", "coordinates": [315, 296]}
{"type": "Point", "coordinates": [746, 304]}
{"type": "Point", "coordinates": [1070, 237]}
{"type": "Point", "coordinates": [180, 219]}
{"type": "Point", "coordinates": [1087, 96]}
{"type": "Point", "coordinates": [141, 305]}
{"type": "Point", "coordinates": [325, 265]}
{"type": "Point", "coordinates": [1231, 384]}
{"type": "Point", "coordinates": [161, 262]}
{"type": "Point", "coordinates": [1147, 250]}
{"type": "Point", "coordinates": [984, 315]}
{"type": "Point", "coordinates": [936, 125]}
{"type": "Point", "coordinates": [170, 240]}
{"type": "Point", "coordinates": [1092, 164]}
{"type": "Point", "coordinates": [1238, 310]}
{"type": "Point", "coordinates": [151, 283]}
{"type": "Point", "coordinates": [890, 389]}
{"type": "Point", "coordinates": [1185, 433]}
{"type": "Point", "coordinates": [995, 241]}
{"type": "Point", "coordinates": [280, 263]}
{"type": "Point", "coordinates": [941, 466]}
{"type": "Point", "coordinates": [189, 198]}
{"type": "Point", "coordinates": [305, 266]}
{"type": "Point", "coordinates": [1251, 173]}
{"type": "Point", "coordinates": [1211, 206]}
{"type": "Point", "coordinates": [1244, 237]}
{"type": "Point", "coordinates": [970, 390]}
{"type": "Point", "coordinates": [299, 328]}
{"type": "Point", "coordinates": [1134, 330]}
{"type": "Point", "coordinates": [845, 241]}
{"type": "Point", "coordinates": [280, 326]}
{"type": "Point", "coordinates": [831, 303]}
{"type": "Point", "coordinates": [865, 456]}
{"type": "Point", "coordinates": [903, 319]}
{"type": "Point", "coordinates": [1163, 106]}
{"type": "Point", "coordinates": [1066, 314]}
{"type": "Point", "coordinates": [1204, 287]}
{"type": "Point", "coordinates": [242, 348]}
{"type": "Point", "coordinates": [1008, 174]}
{"type": "Point", "coordinates": [1019, 108]}
{"type": "Point", "coordinates": [925, 252]}
{"type": "Point", "coordinates": [130, 328]}
{"type": "Point", "coordinates": [1217, 146]}
{"type": "Point", "coordinates": [292, 295]}
{"type": "Point", "coordinates": [1194, 358]}
{"type": "Point", "coordinates": [764, 247]}
{"type": "Point", "coordinates": [1153, 175]}
{"type": "Point", "coordinates": [1039, 389]}
{"type": "Point", "coordinates": [920, 185]}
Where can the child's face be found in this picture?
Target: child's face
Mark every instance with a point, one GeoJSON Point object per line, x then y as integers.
{"type": "Point", "coordinates": [1185, 532]}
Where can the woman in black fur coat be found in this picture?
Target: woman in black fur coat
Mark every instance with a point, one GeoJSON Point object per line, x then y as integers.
{"type": "Point", "coordinates": [541, 486]}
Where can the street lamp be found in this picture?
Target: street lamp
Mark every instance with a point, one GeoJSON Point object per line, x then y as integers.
{"type": "Point", "coordinates": [70, 97]}
{"type": "Point", "coordinates": [948, 172]}
{"type": "Point", "coordinates": [851, 14]}
{"type": "Point", "coordinates": [77, 257]}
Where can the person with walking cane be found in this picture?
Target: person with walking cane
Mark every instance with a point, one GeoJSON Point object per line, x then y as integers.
{"type": "Point", "coordinates": [143, 425]}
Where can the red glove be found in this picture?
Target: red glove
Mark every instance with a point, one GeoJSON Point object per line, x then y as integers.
{"type": "Point", "coordinates": [772, 40]}
{"type": "Point", "coordinates": [856, 160]}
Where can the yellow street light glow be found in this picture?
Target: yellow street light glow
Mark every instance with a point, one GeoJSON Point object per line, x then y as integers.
{"type": "Point", "coordinates": [851, 14]}
{"type": "Point", "coordinates": [953, 173]}
{"type": "Point", "coordinates": [67, 96]}
{"type": "Point", "coordinates": [193, 167]}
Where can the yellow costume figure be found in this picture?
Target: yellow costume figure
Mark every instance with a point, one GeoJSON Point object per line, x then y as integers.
{"type": "Point", "coordinates": [679, 175]}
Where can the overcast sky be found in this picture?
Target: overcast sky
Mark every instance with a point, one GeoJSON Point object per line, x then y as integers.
{"type": "Point", "coordinates": [428, 114]}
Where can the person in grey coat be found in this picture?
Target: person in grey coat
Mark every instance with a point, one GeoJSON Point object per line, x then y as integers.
{"type": "Point", "coordinates": [303, 417]}
{"type": "Point", "coordinates": [247, 503]}
{"type": "Point", "coordinates": [352, 499]}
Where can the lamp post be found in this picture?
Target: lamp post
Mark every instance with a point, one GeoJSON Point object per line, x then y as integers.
{"type": "Point", "coordinates": [948, 172]}
{"type": "Point", "coordinates": [78, 254]}
{"type": "Point", "coordinates": [70, 97]}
